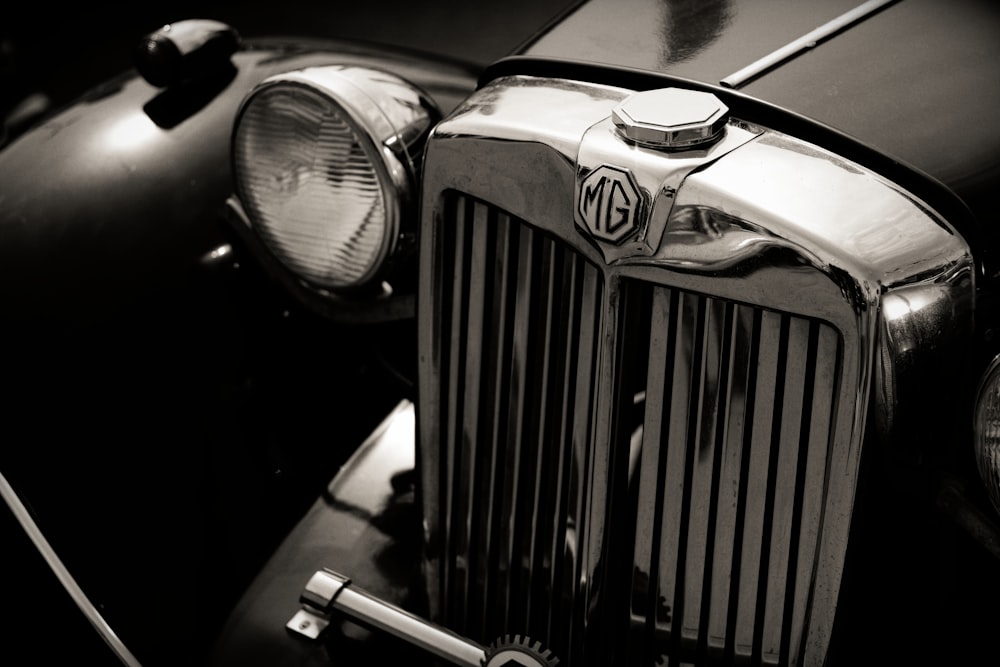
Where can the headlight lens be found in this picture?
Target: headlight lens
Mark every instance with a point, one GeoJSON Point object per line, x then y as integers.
{"type": "Point", "coordinates": [324, 167]}
{"type": "Point", "coordinates": [987, 431]}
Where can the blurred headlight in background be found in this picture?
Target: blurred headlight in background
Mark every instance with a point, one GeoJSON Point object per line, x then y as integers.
{"type": "Point", "coordinates": [326, 167]}
{"type": "Point", "coordinates": [987, 431]}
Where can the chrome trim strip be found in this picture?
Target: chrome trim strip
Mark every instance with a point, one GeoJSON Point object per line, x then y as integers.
{"type": "Point", "coordinates": [372, 612]}
{"type": "Point", "coordinates": [328, 592]}
{"type": "Point", "coordinates": [803, 43]}
{"type": "Point", "coordinates": [63, 574]}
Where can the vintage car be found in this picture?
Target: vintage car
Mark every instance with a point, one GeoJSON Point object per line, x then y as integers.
{"type": "Point", "coordinates": [667, 339]}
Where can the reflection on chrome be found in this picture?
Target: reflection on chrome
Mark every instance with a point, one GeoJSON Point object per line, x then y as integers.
{"type": "Point", "coordinates": [705, 239]}
{"type": "Point", "coordinates": [749, 308]}
{"type": "Point", "coordinates": [326, 162]}
{"type": "Point", "coordinates": [922, 337]}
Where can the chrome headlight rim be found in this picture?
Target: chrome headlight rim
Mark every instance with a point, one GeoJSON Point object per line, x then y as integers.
{"type": "Point", "coordinates": [388, 118]}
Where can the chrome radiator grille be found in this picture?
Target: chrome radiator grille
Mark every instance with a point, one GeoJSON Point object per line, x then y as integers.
{"type": "Point", "coordinates": [519, 327]}
{"type": "Point", "coordinates": [673, 515]}
{"type": "Point", "coordinates": [739, 408]}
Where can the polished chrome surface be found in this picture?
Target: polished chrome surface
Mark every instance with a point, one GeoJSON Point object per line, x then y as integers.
{"type": "Point", "coordinates": [520, 328]}
{"type": "Point", "coordinates": [739, 404]}
{"type": "Point", "coordinates": [390, 118]}
{"type": "Point", "coordinates": [923, 342]}
{"type": "Point", "coordinates": [745, 331]}
{"type": "Point", "coordinates": [655, 176]}
{"type": "Point", "coordinates": [393, 112]}
{"type": "Point", "coordinates": [527, 105]}
{"type": "Point", "coordinates": [323, 588]}
{"type": "Point", "coordinates": [328, 592]}
{"type": "Point", "coordinates": [374, 613]}
{"type": "Point", "coordinates": [803, 43]}
{"type": "Point", "coordinates": [670, 118]}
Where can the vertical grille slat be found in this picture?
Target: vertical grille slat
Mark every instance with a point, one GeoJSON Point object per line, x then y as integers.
{"type": "Point", "coordinates": [645, 573]}
{"type": "Point", "coordinates": [768, 560]}
{"type": "Point", "coordinates": [590, 296]}
{"type": "Point", "coordinates": [559, 453]}
{"type": "Point", "coordinates": [732, 439]}
{"type": "Point", "coordinates": [826, 359]}
{"type": "Point", "coordinates": [498, 270]}
{"type": "Point", "coordinates": [730, 463]}
{"type": "Point", "coordinates": [779, 578]}
{"type": "Point", "coordinates": [464, 483]}
{"type": "Point", "coordinates": [522, 316]}
{"type": "Point", "coordinates": [756, 482]}
{"type": "Point", "coordinates": [538, 540]}
{"type": "Point", "coordinates": [676, 421]}
{"type": "Point", "coordinates": [453, 418]}
{"type": "Point", "coordinates": [703, 450]}
{"type": "Point", "coordinates": [521, 330]}
{"type": "Point", "coordinates": [577, 356]}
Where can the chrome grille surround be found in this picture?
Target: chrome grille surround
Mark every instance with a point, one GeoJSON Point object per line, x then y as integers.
{"type": "Point", "coordinates": [712, 526]}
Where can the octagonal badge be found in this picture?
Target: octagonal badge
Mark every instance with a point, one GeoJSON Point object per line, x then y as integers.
{"type": "Point", "coordinates": [610, 204]}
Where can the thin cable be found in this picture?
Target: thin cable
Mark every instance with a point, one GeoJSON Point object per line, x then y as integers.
{"type": "Point", "coordinates": [807, 41]}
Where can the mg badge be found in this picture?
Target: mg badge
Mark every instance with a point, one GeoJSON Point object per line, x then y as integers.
{"type": "Point", "coordinates": [610, 204]}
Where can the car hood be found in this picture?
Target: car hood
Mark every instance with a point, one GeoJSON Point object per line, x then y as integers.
{"type": "Point", "coordinates": [916, 80]}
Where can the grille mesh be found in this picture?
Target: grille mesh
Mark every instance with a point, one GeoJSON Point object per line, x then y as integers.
{"type": "Point", "coordinates": [729, 442]}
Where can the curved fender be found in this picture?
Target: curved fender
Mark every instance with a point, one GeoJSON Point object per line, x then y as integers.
{"type": "Point", "coordinates": [366, 526]}
{"type": "Point", "coordinates": [120, 190]}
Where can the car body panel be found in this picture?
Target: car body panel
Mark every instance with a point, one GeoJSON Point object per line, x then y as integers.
{"type": "Point", "coordinates": [703, 41]}
{"type": "Point", "coordinates": [900, 80]}
{"type": "Point", "coordinates": [370, 513]}
{"type": "Point", "coordinates": [156, 370]}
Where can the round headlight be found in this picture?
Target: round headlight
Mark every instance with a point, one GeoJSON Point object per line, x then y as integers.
{"type": "Point", "coordinates": [325, 165]}
{"type": "Point", "coordinates": [987, 431]}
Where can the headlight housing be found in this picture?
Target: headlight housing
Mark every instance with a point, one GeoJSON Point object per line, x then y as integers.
{"type": "Point", "coordinates": [325, 161]}
{"type": "Point", "coordinates": [987, 431]}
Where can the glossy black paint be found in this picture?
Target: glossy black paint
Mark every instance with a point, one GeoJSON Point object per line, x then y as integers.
{"type": "Point", "coordinates": [119, 191]}
{"type": "Point", "coordinates": [371, 511]}
{"type": "Point", "coordinates": [938, 195]}
{"type": "Point", "coordinates": [703, 41]}
{"type": "Point", "coordinates": [167, 416]}
{"type": "Point", "coordinates": [916, 81]}
{"type": "Point", "coordinates": [64, 54]}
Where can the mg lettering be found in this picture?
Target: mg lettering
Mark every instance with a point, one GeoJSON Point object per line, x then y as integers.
{"type": "Point", "coordinates": [610, 204]}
